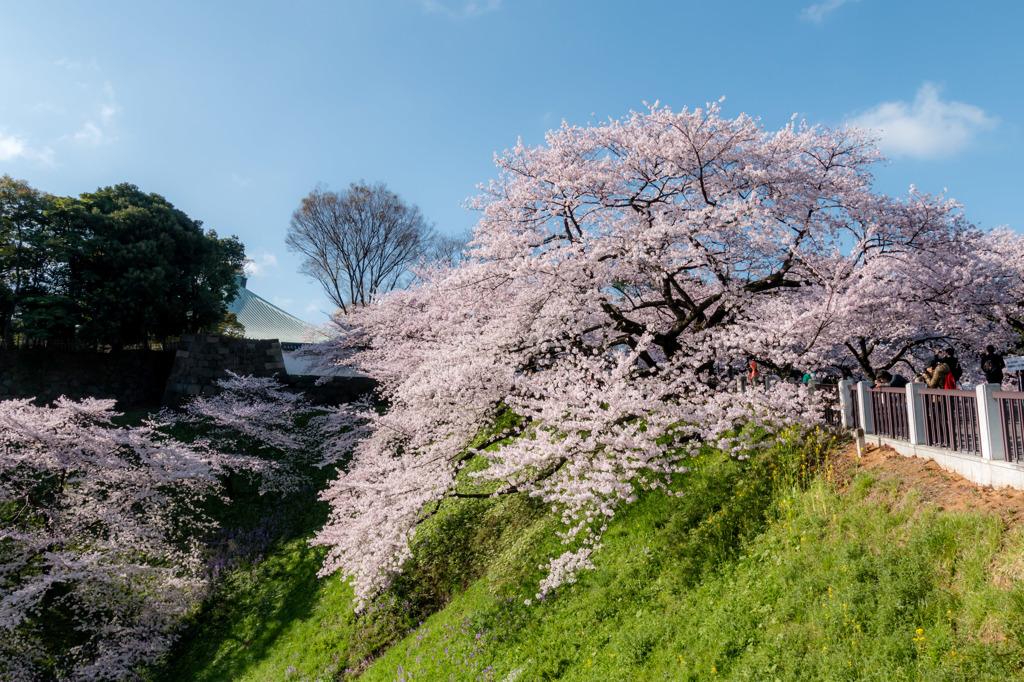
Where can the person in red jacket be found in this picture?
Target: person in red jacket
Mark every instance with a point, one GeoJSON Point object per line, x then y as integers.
{"type": "Point", "coordinates": [754, 375]}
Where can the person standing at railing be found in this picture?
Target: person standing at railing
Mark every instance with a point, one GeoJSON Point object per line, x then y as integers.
{"type": "Point", "coordinates": [949, 357]}
{"type": "Point", "coordinates": [937, 375]}
{"type": "Point", "coordinates": [888, 380]}
{"type": "Point", "coordinates": [992, 365]}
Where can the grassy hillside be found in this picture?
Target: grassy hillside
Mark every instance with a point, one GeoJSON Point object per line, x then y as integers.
{"type": "Point", "coordinates": [777, 567]}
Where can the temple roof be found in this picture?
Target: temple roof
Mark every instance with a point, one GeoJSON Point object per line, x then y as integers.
{"type": "Point", "coordinates": [264, 320]}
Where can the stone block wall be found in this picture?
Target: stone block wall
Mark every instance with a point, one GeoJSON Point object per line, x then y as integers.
{"type": "Point", "coordinates": [135, 379]}
{"type": "Point", "coordinates": [332, 391]}
{"type": "Point", "coordinates": [149, 379]}
{"type": "Point", "coordinates": [204, 359]}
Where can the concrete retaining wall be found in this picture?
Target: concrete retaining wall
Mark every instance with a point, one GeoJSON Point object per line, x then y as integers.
{"type": "Point", "coordinates": [996, 473]}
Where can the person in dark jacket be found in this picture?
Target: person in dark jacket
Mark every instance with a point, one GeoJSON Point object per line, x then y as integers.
{"type": "Point", "coordinates": [889, 380]}
{"type": "Point", "coordinates": [949, 357]}
{"type": "Point", "coordinates": [992, 365]}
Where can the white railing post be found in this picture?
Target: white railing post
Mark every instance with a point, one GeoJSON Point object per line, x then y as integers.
{"type": "Point", "coordinates": [864, 407]}
{"type": "Point", "coordinates": [846, 404]}
{"type": "Point", "coordinates": [990, 422]}
{"type": "Point", "coordinates": [915, 414]}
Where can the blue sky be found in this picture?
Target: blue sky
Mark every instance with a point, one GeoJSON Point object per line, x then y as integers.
{"type": "Point", "coordinates": [235, 110]}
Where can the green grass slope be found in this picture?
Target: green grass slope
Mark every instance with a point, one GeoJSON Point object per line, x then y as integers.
{"type": "Point", "coordinates": [764, 569]}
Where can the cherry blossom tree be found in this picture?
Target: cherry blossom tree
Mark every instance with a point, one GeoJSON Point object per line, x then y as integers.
{"type": "Point", "coordinates": [252, 424]}
{"type": "Point", "coordinates": [617, 275]}
{"type": "Point", "coordinates": [894, 297]}
{"type": "Point", "coordinates": [257, 427]}
{"type": "Point", "coordinates": [99, 532]}
{"type": "Point", "coordinates": [1004, 258]}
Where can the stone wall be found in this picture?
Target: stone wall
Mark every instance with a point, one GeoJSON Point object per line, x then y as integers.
{"type": "Point", "coordinates": [330, 391]}
{"type": "Point", "coordinates": [148, 379]}
{"type": "Point", "coordinates": [135, 379]}
{"type": "Point", "coordinates": [204, 359]}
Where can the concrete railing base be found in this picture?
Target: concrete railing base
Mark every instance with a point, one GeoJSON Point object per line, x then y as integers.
{"type": "Point", "coordinates": [995, 473]}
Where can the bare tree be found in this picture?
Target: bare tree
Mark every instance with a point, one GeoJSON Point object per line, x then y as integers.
{"type": "Point", "coordinates": [447, 249]}
{"type": "Point", "coordinates": [359, 242]}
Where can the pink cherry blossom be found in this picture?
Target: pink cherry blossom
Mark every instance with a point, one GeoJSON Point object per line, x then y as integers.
{"type": "Point", "coordinates": [619, 276]}
{"type": "Point", "coordinates": [100, 523]}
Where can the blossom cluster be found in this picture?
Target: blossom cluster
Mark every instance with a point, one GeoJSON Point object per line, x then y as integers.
{"type": "Point", "coordinates": [252, 425]}
{"type": "Point", "coordinates": [99, 529]}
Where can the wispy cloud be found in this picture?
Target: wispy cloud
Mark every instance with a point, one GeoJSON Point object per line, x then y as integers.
{"type": "Point", "coordinates": [260, 264]}
{"type": "Point", "coordinates": [460, 10]}
{"type": "Point", "coordinates": [16, 147]}
{"type": "Point", "coordinates": [89, 133]}
{"type": "Point", "coordinates": [928, 128]}
{"type": "Point", "coordinates": [817, 13]}
{"type": "Point", "coordinates": [102, 107]}
{"type": "Point", "coordinates": [281, 301]}
{"type": "Point", "coordinates": [72, 64]}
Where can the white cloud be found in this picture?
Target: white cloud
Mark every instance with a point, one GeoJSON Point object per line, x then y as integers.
{"type": "Point", "coordinates": [98, 127]}
{"type": "Point", "coordinates": [76, 115]}
{"type": "Point", "coordinates": [110, 107]}
{"type": "Point", "coordinates": [260, 264]}
{"type": "Point", "coordinates": [89, 133]}
{"type": "Point", "coordinates": [14, 147]}
{"type": "Point", "coordinates": [11, 147]}
{"type": "Point", "coordinates": [313, 307]}
{"type": "Point", "coordinates": [817, 13]}
{"type": "Point", "coordinates": [86, 105]}
{"type": "Point", "coordinates": [928, 128]}
{"type": "Point", "coordinates": [77, 64]}
{"type": "Point", "coordinates": [48, 108]}
{"type": "Point", "coordinates": [282, 302]}
{"type": "Point", "coordinates": [460, 10]}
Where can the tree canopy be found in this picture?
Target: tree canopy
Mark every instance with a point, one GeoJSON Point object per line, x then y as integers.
{"type": "Point", "coordinates": [116, 266]}
{"type": "Point", "coordinates": [360, 242]}
{"type": "Point", "coordinates": [24, 247]}
{"type": "Point", "coordinates": [99, 527]}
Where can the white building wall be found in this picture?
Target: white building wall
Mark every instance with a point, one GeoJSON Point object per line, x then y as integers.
{"type": "Point", "coordinates": [303, 367]}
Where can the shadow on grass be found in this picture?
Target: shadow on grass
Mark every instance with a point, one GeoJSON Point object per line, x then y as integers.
{"type": "Point", "coordinates": [265, 577]}
{"type": "Point", "coordinates": [238, 628]}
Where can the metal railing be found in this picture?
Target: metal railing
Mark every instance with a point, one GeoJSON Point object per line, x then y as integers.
{"type": "Point", "coordinates": [1011, 421]}
{"type": "Point", "coordinates": [951, 420]}
{"type": "Point", "coordinates": [889, 412]}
